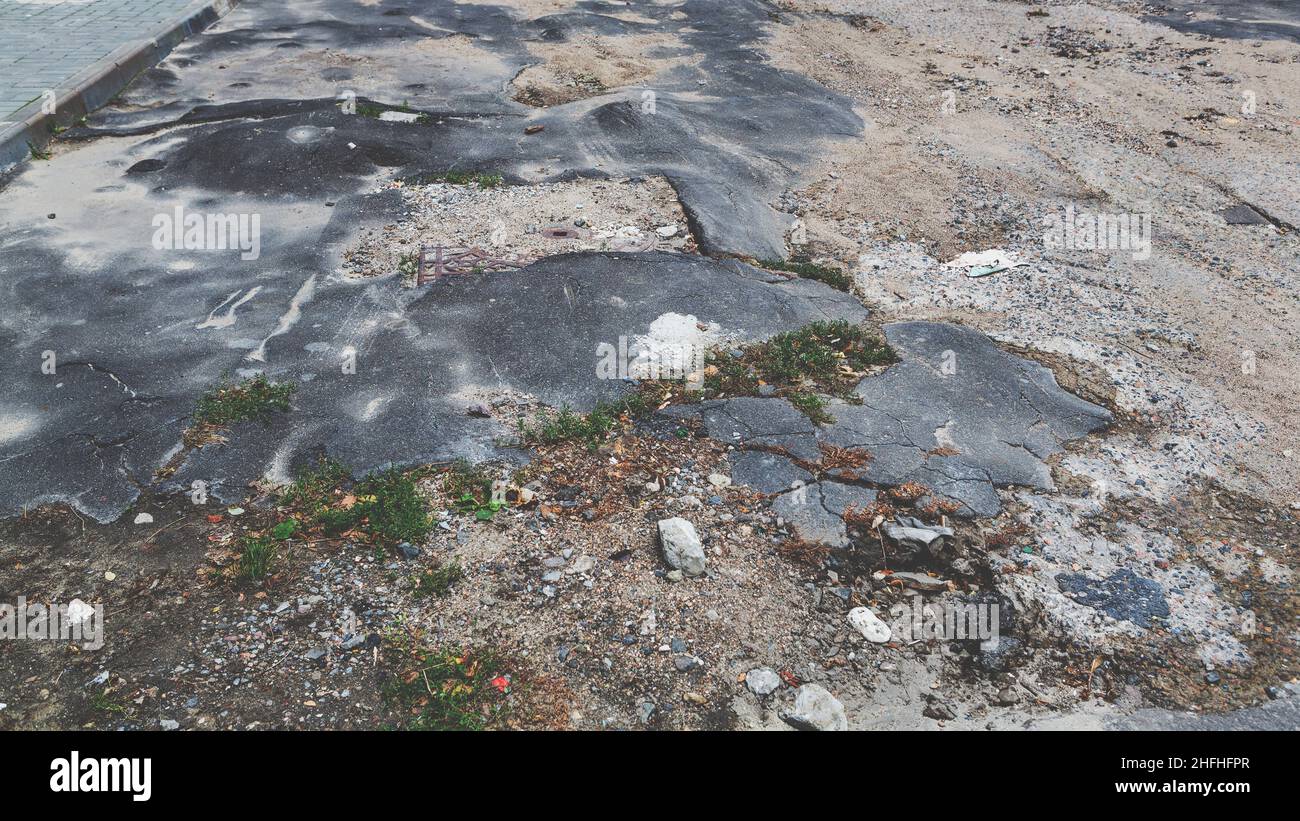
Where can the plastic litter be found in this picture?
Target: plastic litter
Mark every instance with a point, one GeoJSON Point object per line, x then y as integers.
{"type": "Point", "coordinates": [983, 263]}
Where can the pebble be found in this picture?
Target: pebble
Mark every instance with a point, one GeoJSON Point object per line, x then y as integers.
{"type": "Point", "coordinates": [762, 681]}
{"type": "Point", "coordinates": [143, 519]}
{"type": "Point", "coordinates": [816, 709]}
{"type": "Point", "coordinates": [682, 547]}
{"type": "Point", "coordinates": [869, 625]}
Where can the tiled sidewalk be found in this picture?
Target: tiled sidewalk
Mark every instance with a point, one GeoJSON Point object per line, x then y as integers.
{"type": "Point", "coordinates": [43, 43]}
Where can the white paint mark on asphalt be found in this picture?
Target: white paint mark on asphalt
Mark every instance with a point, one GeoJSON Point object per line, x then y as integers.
{"type": "Point", "coordinates": [373, 407]}
{"type": "Point", "coordinates": [228, 318]}
{"type": "Point", "coordinates": [290, 318]}
{"type": "Point", "coordinates": [14, 426]}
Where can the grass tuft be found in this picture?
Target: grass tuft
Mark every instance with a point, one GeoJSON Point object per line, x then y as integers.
{"type": "Point", "coordinates": [590, 428]}
{"type": "Point", "coordinates": [439, 581]}
{"type": "Point", "coordinates": [482, 179]}
{"type": "Point", "coordinates": [255, 563]}
{"type": "Point", "coordinates": [452, 689]}
{"type": "Point", "coordinates": [255, 398]}
{"type": "Point", "coordinates": [803, 366]}
{"type": "Point", "coordinates": [834, 277]}
{"type": "Point", "coordinates": [385, 505]}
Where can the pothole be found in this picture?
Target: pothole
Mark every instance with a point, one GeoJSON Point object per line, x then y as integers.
{"type": "Point", "coordinates": [524, 223]}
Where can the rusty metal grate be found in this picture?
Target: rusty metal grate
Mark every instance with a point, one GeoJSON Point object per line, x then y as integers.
{"type": "Point", "coordinates": [442, 261]}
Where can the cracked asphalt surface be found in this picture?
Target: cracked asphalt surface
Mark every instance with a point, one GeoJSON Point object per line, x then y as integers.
{"type": "Point", "coordinates": [113, 339]}
{"type": "Point", "coordinates": [85, 282]}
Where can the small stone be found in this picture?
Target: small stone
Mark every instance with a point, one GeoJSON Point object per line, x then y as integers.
{"type": "Point", "coordinates": [1212, 677]}
{"type": "Point", "coordinates": [719, 480]}
{"type": "Point", "coordinates": [236, 511]}
{"type": "Point", "coordinates": [674, 575]}
{"type": "Point", "coordinates": [816, 709]}
{"type": "Point", "coordinates": [685, 663]}
{"type": "Point", "coordinates": [1008, 696]}
{"type": "Point", "coordinates": [666, 231]}
{"type": "Point", "coordinates": [143, 519]}
{"type": "Point", "coordinates": [938, 711]}
{"type": "Point", "coordinates": [169, 724]}
{"type": "Point", "coordinates": [409, 550]}
{"type": "Point", "coordinates": [762, 681]}
{"type": "Point", "coordinates": [869, 625]}
{"type": "Point", "coordinates": [109, 575]}
{"type": "Point", "coordinates": [681, 545]}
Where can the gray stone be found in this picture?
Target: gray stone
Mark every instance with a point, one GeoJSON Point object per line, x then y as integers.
{"type": "Point", "coordinates": [762, 681]}
{"type": "Point", "coordinates": [765, 423]}
{"type": "Point", "coordinates": [914, 536]}
{"type": "Point", "coordinates": [816, 709]}
{"type": "Point", "coordinates": [682, 547]}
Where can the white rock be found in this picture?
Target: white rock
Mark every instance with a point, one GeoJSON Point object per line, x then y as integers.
{"type": "Point", "coordinates": [816, 708]}
{"type": "Point", "coordinates": [719, 480]}
{"type": "Point", "coordinates": [666, 231]}
{"type": "Point", "coordinates": [143, 519]}
{"type": "Point", "coordinates": [762, 681]}
{"type": "Point", "coordinates": [682, 547]}
{"type": "Point", "coordinates": [169, 724]}
{"type": "Point", "coordinates": [79, 611]}
{"type": "Point", "coordinates": [869, 625]}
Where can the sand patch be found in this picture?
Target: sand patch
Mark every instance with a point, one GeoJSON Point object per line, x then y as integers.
{"type": "Point", "coordinates": [590, 66]}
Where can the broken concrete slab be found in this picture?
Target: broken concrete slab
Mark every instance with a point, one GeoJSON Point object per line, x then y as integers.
{"type": "Point", "coordinates": [761, 424]}
{"type": "Point", "coordinates": [816, 513]}
{"type": "Point", "coordinates": [767, 472]}
{"type": "Point", "coordinates": [960, 416]}
{"type": "Point", "coordinates": [129, 405]}
{"type": "Point", "coordinates": [1243, 215]}
{"type": "Point", "coordinates": [1123, 595]}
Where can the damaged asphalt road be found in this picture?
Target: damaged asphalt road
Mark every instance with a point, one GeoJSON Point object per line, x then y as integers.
{"type": "Point", "coordinates": [138, 332]}
{"type": "Point", "coordinates": [345, 130]}
{"type": "Point", "coordinates": [211, 130]}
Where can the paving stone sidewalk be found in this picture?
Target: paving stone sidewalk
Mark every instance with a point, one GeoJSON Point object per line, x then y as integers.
{"type": "Point", "coordinates": [43, 43]}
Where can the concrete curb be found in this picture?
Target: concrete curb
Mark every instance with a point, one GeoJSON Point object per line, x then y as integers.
{"type": "Point", "coordinates": [98, 83]}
